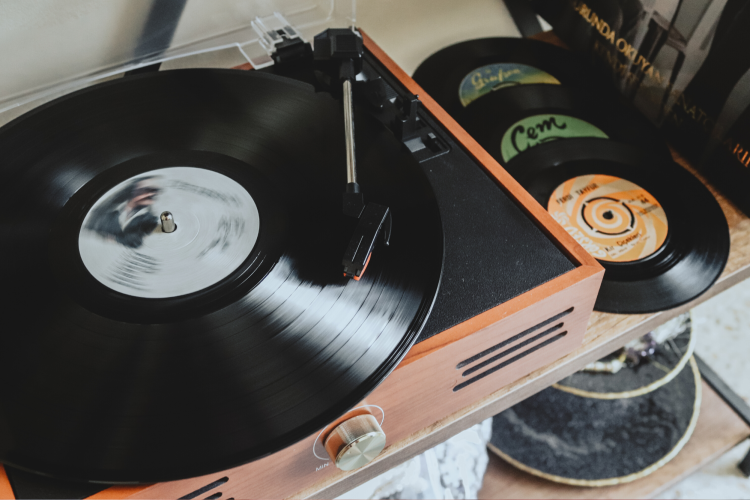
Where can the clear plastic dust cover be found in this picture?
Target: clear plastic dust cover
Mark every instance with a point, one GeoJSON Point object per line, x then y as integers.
{"type": "Point", "coordinates": [49, 47]}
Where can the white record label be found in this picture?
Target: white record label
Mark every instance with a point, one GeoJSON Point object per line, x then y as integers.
{"type": "Point", "coordinates": [122, 243]}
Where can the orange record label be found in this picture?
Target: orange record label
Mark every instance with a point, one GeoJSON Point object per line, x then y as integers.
{"type": "Point", "coordinates": [613, 219]}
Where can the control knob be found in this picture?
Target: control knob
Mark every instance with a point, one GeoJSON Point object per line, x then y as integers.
{"type": "Point", "coordinates": [355, 442]}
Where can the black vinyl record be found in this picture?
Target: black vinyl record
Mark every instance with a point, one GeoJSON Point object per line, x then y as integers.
{"type": "Point", "coordinates": [672, 241]}
{"type": "Point", "coordinates": [513, 121]}
{"type": "Point", "coordinates": [127, 357]}
{"type": "Point", "coordinates": [457, 74]}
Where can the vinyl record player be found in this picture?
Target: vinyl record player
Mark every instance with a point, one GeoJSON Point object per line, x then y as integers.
{"type": "Point", "coordinates": [515, 291]}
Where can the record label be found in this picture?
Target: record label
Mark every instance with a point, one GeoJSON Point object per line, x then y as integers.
{"type": "Point", "coordinates": [614, 219]}
{"type": "Point", "coordinates": [534, 130]}
{"type": "Point", "coordinates": [496, 76]}
{"type": "Point", "coordinates": [123, 245]}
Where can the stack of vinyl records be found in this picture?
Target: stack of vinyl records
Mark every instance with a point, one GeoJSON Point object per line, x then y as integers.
{"type": "Point", "coordinates": [614, 422]}
{"type": "Point", "coordinates": [598, 166]}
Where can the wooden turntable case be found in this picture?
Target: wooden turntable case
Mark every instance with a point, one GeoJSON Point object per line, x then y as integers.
{"type": "Point", "coordinates": [529, 331]}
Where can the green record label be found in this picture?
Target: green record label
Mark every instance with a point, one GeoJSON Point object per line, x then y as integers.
{"type": "Point", "coordinates": [496, 76]}
{"type": "Point", "coordinates": [534, 130]}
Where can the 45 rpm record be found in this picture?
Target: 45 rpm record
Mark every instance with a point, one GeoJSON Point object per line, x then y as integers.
{"type": "Point", "coordinates": [461, 73]}
{"type": "Point", "coordinates": [657, 230]}
{"type": "Point", "coordinates": [514, 121]}
{"type": "Point", "coordinates": [136, 350]}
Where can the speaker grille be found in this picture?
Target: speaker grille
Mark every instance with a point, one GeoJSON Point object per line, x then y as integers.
{"type": "Point", "coordinates": [551, 334]}
{"type": "Point", "coordinates": [206, 488]}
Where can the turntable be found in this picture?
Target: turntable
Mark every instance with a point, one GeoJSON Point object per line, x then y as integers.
{"type": "Point", "coordinates": [196, 311]}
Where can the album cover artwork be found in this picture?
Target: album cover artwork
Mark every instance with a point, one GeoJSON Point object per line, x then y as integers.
{"type": "Point", "coordinates": [683, 63]}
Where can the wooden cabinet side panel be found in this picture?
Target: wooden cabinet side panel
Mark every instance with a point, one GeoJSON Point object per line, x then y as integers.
{"type": "Point", "coordinates": [414, 397]}
{"type": "Point", "coordinates": [419, 397]}
{"type": "Point", "coordinates": [421, 393]}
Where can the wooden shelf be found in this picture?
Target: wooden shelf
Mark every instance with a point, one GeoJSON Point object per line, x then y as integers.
{"type": "Point", "coordinates": [606, 333]}
{"type": "Point", "coordinates": [719, 429]}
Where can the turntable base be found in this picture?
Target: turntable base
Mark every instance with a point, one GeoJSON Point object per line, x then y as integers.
{"type": "Point", "coordinates": [606, 333]}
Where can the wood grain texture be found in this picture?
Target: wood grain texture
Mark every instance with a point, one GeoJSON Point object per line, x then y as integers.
{"type": "Point", "coordinates": [718, 430]}
{"type": "Point", "coordinates": [115, 492]}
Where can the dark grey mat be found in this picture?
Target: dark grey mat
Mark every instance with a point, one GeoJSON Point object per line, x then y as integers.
{"type": "Point", "coordinates": [565, 437]}
{"type": "Point", "coordinates": [648, 373]}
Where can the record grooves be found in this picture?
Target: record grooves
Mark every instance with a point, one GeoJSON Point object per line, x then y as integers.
{"type": "Point", "coordinates": [166, 386]}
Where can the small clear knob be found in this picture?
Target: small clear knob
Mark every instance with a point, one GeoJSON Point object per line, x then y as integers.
{"type": "Point", "coordinates": [355, 442]}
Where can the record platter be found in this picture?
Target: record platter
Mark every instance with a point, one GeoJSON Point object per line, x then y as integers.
{"type": "Point", "coordinates": [198, 306]}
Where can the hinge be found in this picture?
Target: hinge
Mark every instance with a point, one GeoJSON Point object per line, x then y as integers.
{"type": "Point", "coordinates": [281, 41]}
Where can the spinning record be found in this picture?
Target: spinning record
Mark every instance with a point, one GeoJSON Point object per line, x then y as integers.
{"type": "Point", "coordinates": [581, 441]}
{"type": "Point", "coordinates": [659, 233]}
{"type": "Point", "coordinates": [520, 118]}
{"type": "Point", "coordinates": [462, 73]}
{"type": "Point", "coordinates": [171, 255]}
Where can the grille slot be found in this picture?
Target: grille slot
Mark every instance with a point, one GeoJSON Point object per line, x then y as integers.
{"type": "Point", "coordinates": [206, 488]}
{"type": "Point", "coordinates": [511, 350]}
{"type": "Point", "coordinates": [511, 360]}
{"type": "Point", "coordinates": [509, 341]}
